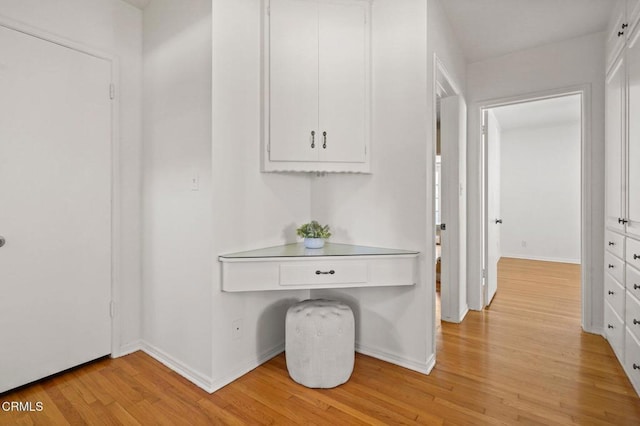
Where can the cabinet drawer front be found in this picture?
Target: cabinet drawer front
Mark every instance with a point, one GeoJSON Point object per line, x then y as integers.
{"type": "Point", "coordinates": [633, 252]}
{"type": "Point", "coordinates": [632, 315]}
{"type": "Point", "coordinates": [614, 294]}
{"type": "Point", "coordinates": [614, 243]}
{"type": "Point", "coordinates": [614, 331]}
{"type": "Point", "coordinates": [632, 358]}
{"type": "Point", "coordinates": [614, 266]}
{"type": "Point", "coordinates": [633, 281]}
{"type": "Point", "coordinates": [310, 273]}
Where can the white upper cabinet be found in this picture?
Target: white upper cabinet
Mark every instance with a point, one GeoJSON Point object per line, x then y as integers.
{"type": "Point", "coordinates": [317, 86]}
{"type": "Point", "coordinates": [624, 18]}
{"type": "Point", "coordinates": [614, 166]}
{"type": "Point", "coordinates": [633, 135]}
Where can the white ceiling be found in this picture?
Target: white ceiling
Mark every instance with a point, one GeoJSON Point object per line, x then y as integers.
{"type": "Point", "coordinates": [539, 113]}
{"type": "Point", "coordinates": [491, 28]}
{"type": "Point", "coordinates": [140, 4]}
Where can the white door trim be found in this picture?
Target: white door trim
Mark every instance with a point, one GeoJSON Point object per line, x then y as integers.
{"type": "Point", "coordinates": [476, 301]}
{"type": "Point", "coordinates": [115, 161]}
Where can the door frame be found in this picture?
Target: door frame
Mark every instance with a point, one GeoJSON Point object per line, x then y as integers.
{"type": "Point", "coordinates": [116, 226]}
{"type": "Point", "coordinates": [443, 84]}
{"type": "Point", "coordinates": [586, 167]}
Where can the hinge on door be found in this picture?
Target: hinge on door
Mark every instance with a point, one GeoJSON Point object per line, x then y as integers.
{"type": "Point", "coordinates": [484, 273]}
{"type": "Point", "coordinates": [484, 129]}
{"type": "Point", "coordinates": [112, 309]}
{"type": "Point", "coordinates": [112, 91]}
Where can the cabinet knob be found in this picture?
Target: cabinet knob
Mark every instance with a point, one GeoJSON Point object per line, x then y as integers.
{"type": "Point", "coordinates": [611, 243]}
{"type": "Point", "coordinates": [620, 33]}
{"type": "Point", "coordinates": [636, 366]}
{"type": "Point", "coordinates": [2, 241]}
{"type": "Point", "coordinates": [609, 326]}
{"type": "Point", "coordinates": [313, 139]}
{"type": "Point", "coordinates": [635, 322]}
{"type": "Point", "coordinates": [624, 26]}
{"type": "Point", "coordinates": [636, 256]}
{"type": "Point", "coordinates": [622, 220]}
{"type": "Point", "coordinates": [636, 286]}
{"type": "Point", "coordinates": [611, 292]}
{"type": "Point", "coordinates": [611, 266]}
{"type": "Point", "coordinates": [331, 272]}
{"type": "Point", "coordinates": [324, 140]}
{"type": "Point", "coordinates": [498, 220]}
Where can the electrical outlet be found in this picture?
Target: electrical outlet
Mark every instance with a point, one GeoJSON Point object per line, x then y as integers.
{"type": "Point", "coordinates": [236, 329]}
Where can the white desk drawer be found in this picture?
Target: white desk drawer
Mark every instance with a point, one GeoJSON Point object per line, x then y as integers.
{"type": "Point", "coordinates": [614, 243]}
{"type": "Point", "coordinates": [633, 252]}
{"type": "Point", "coordinates": [614, 330]}
{"type": "Point", "coordinates": [614, 294]}
{"type": "Point", "coordinates": [614, 266]}
{"type": "Point", "coordinates": [632, 315]}
{"type": "Point", "coordinates": [326, 272]}
{"type": "Point", "coordinates": [633, 281]}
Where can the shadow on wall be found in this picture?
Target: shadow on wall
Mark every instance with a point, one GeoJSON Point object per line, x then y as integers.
{"type": "Point", "coordinates": [272, 316]}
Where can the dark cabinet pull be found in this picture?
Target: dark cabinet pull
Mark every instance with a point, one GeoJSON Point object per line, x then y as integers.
{"type": "Point", "coordinates": [624, 26]}
{"type": "Point", "coordinates": [611, 243]}
{"type": "Point", "coordinates": [622, 221]}
{"type": "Point", "coordinates": [331, 272]}
{"type": "Point", "coordinates": [636, 256]}
{"type": "Point", "coordinates": [498, 221]}
{"type": "Point", "coordinates": [611, 292]}
{"type": "Point", "coordinates": [636, 366]}
{"type": "Point", "coordinates": [636, 286]}
{"type": "Point", "coordinates": [620, 33]}
{"type": "Point", "coordinates": [313, 139]}
{"type": "Point", "coordinates": [324, 143]}
{"type": "Point", "coordinates": [611, 266]}
{"type": "Point", "coordinates": [609, 326]}
{"type": "Point", "coordinates": [635, 322]}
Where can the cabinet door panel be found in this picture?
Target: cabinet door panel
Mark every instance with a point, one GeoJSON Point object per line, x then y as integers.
{"type": "Point", "coordinates": [613, 146]}
{"type": "Point", "coordinates": [633, 147]}
{"type": "Point", "coordinates": [342, 81]}
{"type": "Point", "coordinates": [293, 75]}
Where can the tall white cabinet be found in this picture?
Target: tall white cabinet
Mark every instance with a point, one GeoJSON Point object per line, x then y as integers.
{"type": "Point", "coordinates": [622, 183]}
{"type": "Point", "coordinates": [317, 86]}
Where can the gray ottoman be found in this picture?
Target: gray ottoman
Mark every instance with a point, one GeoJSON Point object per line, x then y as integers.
{"type": "Point", "coordinates": [319, 343]}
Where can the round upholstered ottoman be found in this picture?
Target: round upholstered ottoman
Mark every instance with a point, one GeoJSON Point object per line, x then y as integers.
{"type": "Point", "coordinates": [319, 343]}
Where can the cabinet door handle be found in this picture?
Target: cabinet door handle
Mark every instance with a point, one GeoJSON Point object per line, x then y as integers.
{"type": "Point", "coordinates": [324, 141]}
{"type": "Point", "coordinates": [498, 221]}
{"type": "Point", "coordinates": [609, 326]}
{"type": "Point", "coordinates": [611, 243]}
{"type": "Point", "coordinates": [611, 266]}
{"type": "Point", "coordinates": [624, 26]}
{"type": "Point", "coordinates": [331, 272]}
{"type": "Point", "coordinates": [620, 33]}
{"type": "Point", "coordinates": [636, 366]}
{"type": "Point", "coordinates": [313, 139]}
{"type": "Point", "coordinates": [635, 322]}
{"type": "Point", "coordinates": [611, 292]}
{"type": "Point", "coordinates": [636, 256]}
{"type": "Point", "coordinates": [622, 221]}
{"type": "Point", "coordinates": [636, 286]}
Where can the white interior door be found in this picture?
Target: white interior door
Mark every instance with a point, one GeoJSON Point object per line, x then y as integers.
{"type": "Point", "coordinates": [494, 218]}
{"type": "Point", "coordinates": [453, 288]}
{"type": "Point", "coordinates": [55, 187]}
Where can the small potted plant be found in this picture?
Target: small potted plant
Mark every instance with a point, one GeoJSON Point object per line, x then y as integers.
{"type": "Point", "coordinates": [314, 234]}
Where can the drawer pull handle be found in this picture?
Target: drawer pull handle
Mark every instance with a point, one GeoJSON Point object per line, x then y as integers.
{"type": "Point", "coordinates": [324, 138]}
{"type": "Point", "coordinates": [620, 33]}
{"type": "Point", "coordinates": [611, 243]}
{"type": "Point", "coordinates": [313, 139]}
{"type": "Point", "coordinates": [611, 292]}
{"type": "Point", "coordinates": [636, 366]}
{"type": "Point", "coordinates": [621, 220]}
{"type": "Point", "coordinates": [635, 322]}
{"type": "Point", "coordinates": [636, 256]}
{"type": "Point", "coordinates": [609, 326]}
{"type": "Point", "coordinates": [331, 272]}
{"type": "Point", "coordinates": [636, 286]}
{"type": "Point", "coordinates": [611, 266]}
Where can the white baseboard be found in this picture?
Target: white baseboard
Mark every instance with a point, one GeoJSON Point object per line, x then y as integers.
{"type": "Point", "coordinates": [246, 367]}
{"type": "Point", "coordinates": [542, 258]}
{"type": "Point", "coordinates": [420, 367]}
{"type": "Point", "coordinates": [127, 349]}
{"type": "Point", "coordinates": [460, 317]}
{"type": "Point", "coordinates": [197, 378]}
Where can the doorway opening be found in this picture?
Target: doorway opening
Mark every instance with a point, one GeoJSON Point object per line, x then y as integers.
{"type": "Point", "coordinates": [533, 184]}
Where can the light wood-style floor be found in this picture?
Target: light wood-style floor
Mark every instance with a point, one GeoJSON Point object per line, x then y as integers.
{"type": "Point", "coordinates": [523, 360]}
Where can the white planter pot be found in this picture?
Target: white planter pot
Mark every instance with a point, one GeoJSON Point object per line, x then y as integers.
{"type": "Point", "coordinates": [314, 243]}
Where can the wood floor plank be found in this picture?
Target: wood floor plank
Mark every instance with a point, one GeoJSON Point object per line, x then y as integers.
{"type": "Point", "coordinates": [524, 360]}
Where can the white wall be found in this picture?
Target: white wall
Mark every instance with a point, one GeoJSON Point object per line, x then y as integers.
{"type": "Point", "coordinates": [572, 62]}
{"type": "Point", "coordinates": [540, 193]}
{"type": "Point", "coordinates": [250, 209]}
{"type": "Point", "coordinates": [177, 249]}
{"type": "Point", "coordinates": [115, 28]}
